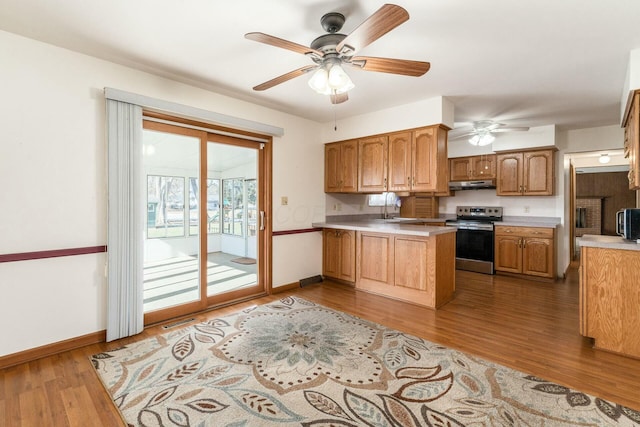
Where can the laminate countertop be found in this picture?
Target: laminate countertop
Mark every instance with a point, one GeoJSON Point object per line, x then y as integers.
{"type": "Point", "coordinates": [414, 227]}
{"type": "Point", "coordinates": [608, 242]}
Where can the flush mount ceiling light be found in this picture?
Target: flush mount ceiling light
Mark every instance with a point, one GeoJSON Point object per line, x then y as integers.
{"type": "Point", "coordinates": [330, 52]}
{"type": "Point", "coordinates": [604, 158]}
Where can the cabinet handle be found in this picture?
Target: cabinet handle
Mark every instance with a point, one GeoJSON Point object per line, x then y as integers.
{"type": "Point", "coordinates": [525, 189]}
{"type": "Point", "coordinates": [524, 243]}
{"type": "Point", "coordinates": [261, 220]}
{"type": "Point", "coordinates": [385, 183]}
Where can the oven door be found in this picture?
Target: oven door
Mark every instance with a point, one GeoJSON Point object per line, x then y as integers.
{"type": "Point", "coordinates": [474, 244]}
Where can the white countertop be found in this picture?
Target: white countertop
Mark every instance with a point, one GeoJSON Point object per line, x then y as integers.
{"type": "Point", "coordinates": [608, 242]}
{"type": "Point", "coordinates": [381, 226]}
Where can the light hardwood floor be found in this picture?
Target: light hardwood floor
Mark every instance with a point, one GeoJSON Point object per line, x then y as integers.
{"type": "Point", "coordinates": [527, 325]}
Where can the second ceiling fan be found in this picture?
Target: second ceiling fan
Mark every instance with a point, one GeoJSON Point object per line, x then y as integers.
{"type": "Point", "coordinates": [331, 51]}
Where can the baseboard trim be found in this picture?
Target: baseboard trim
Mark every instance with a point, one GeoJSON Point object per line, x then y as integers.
{"type": "Point", "coordinates": [285, 288]}
{"type": "Point", "coordinates": [51, 349]}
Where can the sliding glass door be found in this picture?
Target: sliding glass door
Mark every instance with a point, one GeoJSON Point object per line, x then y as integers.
{"type": "Point", "coordinates": [204, 244]}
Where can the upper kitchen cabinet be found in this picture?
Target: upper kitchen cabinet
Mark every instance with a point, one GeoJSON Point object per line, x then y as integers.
{"type": "Point", "coordinates": [372, 164]}
{"type": "Point", "coordinates": [472, 168]}
{"type": "Point", "coordinates": [430, 166]}
{"type": "Point", "coordinates": [400, 161]}
{"type": "Point", "coordinates": [413, 160]}
{"type": "Point", "coordinates": [525, 173]}
{"type": "Point", "coordinates": [418, 160]}
{"type": "Point", "coordinates": [341, 167]}
{"type": "Point", "coordinates": [631, 124]}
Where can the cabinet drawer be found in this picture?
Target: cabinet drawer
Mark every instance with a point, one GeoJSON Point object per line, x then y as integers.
{"type": "Point", "coordinates": [506, 230]}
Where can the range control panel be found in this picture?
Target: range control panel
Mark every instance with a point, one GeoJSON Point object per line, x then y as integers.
{"type": "Point", "coordinates": [479, 211]}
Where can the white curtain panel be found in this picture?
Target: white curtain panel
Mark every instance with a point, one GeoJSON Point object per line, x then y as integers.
{"type": "Point", "coordinates": [125, 312]}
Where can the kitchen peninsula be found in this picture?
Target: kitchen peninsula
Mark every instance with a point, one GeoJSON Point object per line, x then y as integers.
{"type": "Point", "coordinates": [610, 293]}
{"type": "Point", "coordinates": [409, 260]}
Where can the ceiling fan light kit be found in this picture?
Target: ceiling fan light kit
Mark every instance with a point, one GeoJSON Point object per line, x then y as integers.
{"type": "Point", "coordinates": [331, 51]}
{"type": "Point", "coordinates": [330, 79]}
{"type": "Point", "coordinates": [482, 139]}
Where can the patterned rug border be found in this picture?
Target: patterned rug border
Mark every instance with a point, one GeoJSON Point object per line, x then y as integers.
{"type": "Point", "coordinates": [494, 375]}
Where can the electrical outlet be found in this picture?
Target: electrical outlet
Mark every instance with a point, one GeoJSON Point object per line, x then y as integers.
{"type": "Point", "coordinates": [526, 209]}
{"type": "Point", "coordinates": [284, 200]}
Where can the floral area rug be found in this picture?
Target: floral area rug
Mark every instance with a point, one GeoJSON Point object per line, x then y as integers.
{"type": "Point", "coordinates": [294, 362]}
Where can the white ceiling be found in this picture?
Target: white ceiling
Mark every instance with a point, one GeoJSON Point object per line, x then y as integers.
{"type": "Point", "coordinates": [529, 63]}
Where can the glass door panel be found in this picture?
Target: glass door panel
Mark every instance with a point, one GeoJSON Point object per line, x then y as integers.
{"type": "Point", "coordinates": [171, 250]}
{"type": "Point", "coordinates": [232, 259]}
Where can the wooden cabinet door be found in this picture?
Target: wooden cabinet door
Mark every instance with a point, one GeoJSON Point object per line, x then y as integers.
{"type": "Point", "coordinates": [632, 142]}
{"type": "Point", "coordinates": [375, 259]}
{"type": "Point", "coordinates": [537, 173]}
{"type": "Point", "coordinates": [460, 169]}
{"type": "Point", "coordinates": [508, 254]}
{"type": "Point", "coordinates": [411, 263]}
{"type": "Point", "coordinates": [425, 160]}
{"type": "Point", "coordinates": [399, 165]}
{"type": "Point", "coordinates": [349, 166]}
{"type": "Point", "coordinates": [537, 257]}
{"type": "Point", "coordinates": [372, 166]}
{"type": "Point", "coordinates": [339, 254]}
{"type": "Point", "coordinates": [348, 255]}
{"type": "Point", "coordinates": [483, 167]}
{"type": "Point", "coordinates": [332, 168]}
{"type": "Point", "coordinates": [331, 253]}
{"type": "Point", "coordinates": [509, 174]}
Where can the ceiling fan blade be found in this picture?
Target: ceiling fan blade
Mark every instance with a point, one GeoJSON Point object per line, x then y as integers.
{"type": "Point", "coordinates": [339, 98]}
{"type": "Point", "coordinates": [461, 135]}
{"type": "Point", "coordinates": [282, 43]}
{"type": "Point", "coordinates": [285, 77]}
{"type": "Point", "coordinates": [404, 67]}
{"type": "Point", "coordinates": [377, 25]}
{"type": "Point", "coordinates": [510, 129]}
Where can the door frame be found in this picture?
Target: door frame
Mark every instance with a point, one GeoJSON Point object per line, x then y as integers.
{"type": "Point", "coordinates": [263, 143]}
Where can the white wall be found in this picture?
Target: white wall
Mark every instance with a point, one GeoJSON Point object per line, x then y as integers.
{"type": "Point", "coordinates": [580, 141]}
{"type": "Point", "coordinates": [423, 113]}
{"type": "Point", "coordinates": [53, 166]}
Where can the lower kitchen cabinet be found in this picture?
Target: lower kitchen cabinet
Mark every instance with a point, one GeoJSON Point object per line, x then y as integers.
{"type": "Point", "coordinates": [339, 254]}
{"type": "Point", "coordinates": [609, 299]}
{"type": "Point", "coordinates": [417, 269]}
{"type": "Point", "coordinates": [525, 250]}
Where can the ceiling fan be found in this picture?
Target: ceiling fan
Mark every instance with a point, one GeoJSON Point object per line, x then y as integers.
{"type": "Point", "coordinates": [481, 131]}
{"type": "Point", "coordinates": [331, 51]}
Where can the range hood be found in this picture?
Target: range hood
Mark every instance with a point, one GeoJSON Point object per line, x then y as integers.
{"type": "Point", "coordinates": [472, 185]}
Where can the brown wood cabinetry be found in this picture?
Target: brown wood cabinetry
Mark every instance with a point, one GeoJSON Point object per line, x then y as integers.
{"type": "Point", "coordinates": [525, 250]}
{"type": "Point", "coordinates": [341, 167]}
{"type": "Point", "coordinates": [609, 299]}
{"type": "Point", "coordinates": [631, 124]}
{"type": "Point", "coordinates": [525, 173]}
{"type": "Point", "coordinates": [472, 168]}
{"type": "Point", "coordinates": [372, 164]}
{"type": "Point", "coordinates": [400, 161]}
{"type": "Point", "coordinates": [430, 168]}
{"type": "Point", "coordinates": [339, 254]}
{"type": "Point", "coordinates": [417, 269]}
{"type": "Point", "coordinates": [413, 160]}
{"type": "Point", "coordinates": [419, 207]}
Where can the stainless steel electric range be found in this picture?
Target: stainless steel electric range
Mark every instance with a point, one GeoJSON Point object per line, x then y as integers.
{"type": "Point", "coordinates": [475, 237]}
